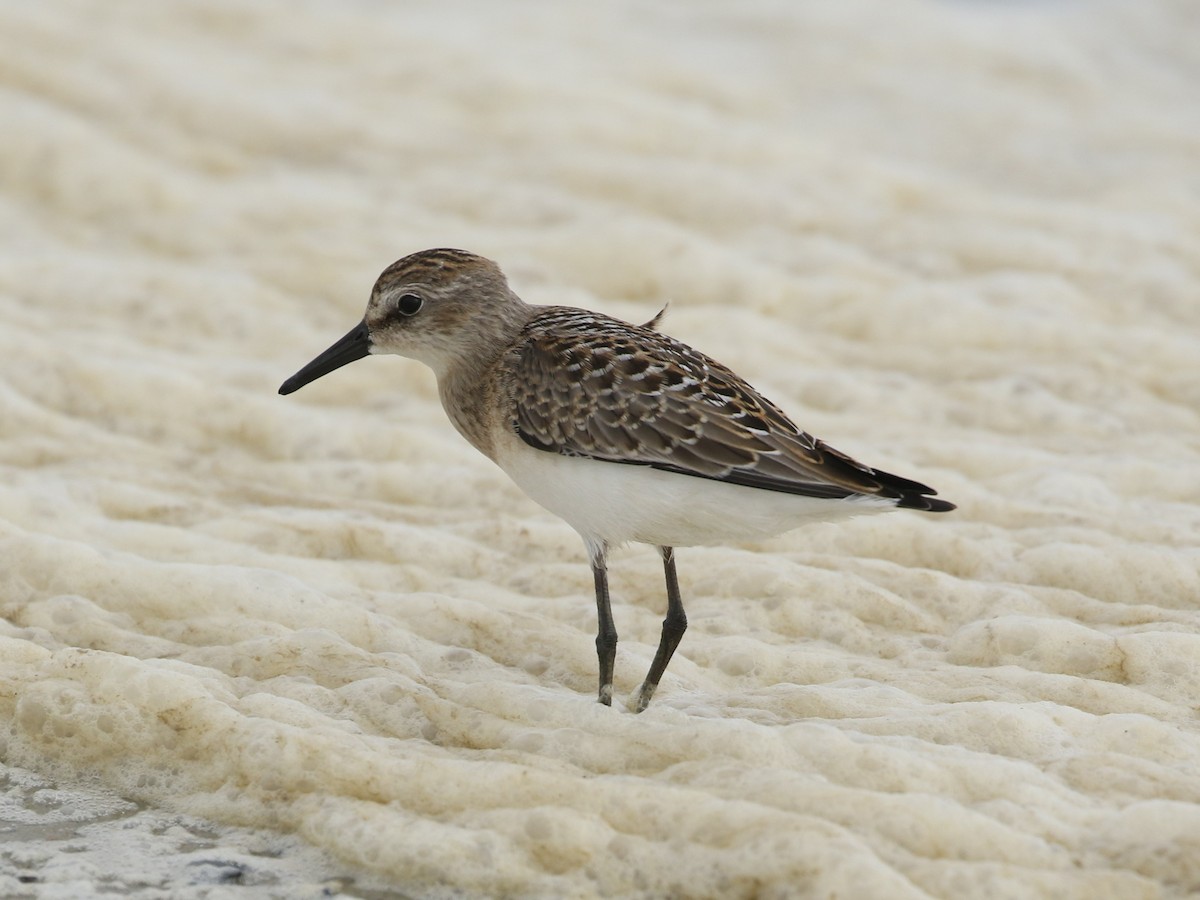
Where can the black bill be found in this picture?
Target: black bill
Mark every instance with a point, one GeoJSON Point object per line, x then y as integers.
{"type": "Point", "coordinates": [355, 345]}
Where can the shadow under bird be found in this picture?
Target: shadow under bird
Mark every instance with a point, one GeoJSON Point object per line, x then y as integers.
{"type": "Point", "coordinates": [622, 431]}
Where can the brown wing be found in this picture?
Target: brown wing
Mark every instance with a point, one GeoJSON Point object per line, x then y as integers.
{"type": "Point", "coordinates": [589, 385]}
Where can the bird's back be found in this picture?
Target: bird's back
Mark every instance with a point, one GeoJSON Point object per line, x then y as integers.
{"type": "Point", "coordinates": [588, 385]}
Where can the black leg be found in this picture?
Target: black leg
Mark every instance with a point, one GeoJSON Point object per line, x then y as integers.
{"type": "Point", "coordinates": [606, 633]}
{"type": "Point", "coordinates": [673, 627]}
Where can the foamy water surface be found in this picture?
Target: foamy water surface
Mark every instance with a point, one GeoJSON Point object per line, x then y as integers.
{"type": "Point", "coordinates": [956, 239]}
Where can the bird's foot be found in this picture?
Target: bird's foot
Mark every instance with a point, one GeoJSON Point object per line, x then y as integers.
{"type": "Point", "coordinates": [640, 700]}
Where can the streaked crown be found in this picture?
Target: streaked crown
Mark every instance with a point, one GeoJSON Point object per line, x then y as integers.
{"type": "Point", "coordinates": [440, 306]}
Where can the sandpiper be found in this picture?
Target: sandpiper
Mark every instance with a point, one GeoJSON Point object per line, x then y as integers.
{"type": "Point", "coordinates": [622, 431]}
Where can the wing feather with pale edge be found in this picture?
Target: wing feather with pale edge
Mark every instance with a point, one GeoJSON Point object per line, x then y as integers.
{"type": "Point", "coordinates": [592, 386]}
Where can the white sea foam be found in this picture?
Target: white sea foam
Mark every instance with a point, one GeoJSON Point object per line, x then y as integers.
{"type": "Point", "coordinates": [958, 240]}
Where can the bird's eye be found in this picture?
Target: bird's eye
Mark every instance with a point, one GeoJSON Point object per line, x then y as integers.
{"type": "Point", "coordinates": [409, 304]}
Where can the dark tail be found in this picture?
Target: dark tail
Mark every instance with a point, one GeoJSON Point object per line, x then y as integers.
{"type": "Point", "coordinates": [910, 494]}
{"type": "Point", "coordinates": [927, 503]}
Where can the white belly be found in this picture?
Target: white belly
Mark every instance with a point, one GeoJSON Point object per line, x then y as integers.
{"type": "Point", "coordinates": [616, 503]}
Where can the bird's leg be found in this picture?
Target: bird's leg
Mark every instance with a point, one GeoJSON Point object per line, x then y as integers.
{"type": "Point", "coordinates": [606, 633]}
{"type": "Point", "coordinates": [673, 627]}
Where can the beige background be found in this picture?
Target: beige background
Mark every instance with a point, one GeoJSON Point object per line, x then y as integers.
{"type": "Point", "coordinates": [955, 239]}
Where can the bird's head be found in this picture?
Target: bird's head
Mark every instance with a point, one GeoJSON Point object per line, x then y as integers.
{"type": "Point", "coordinates": [440, 307]}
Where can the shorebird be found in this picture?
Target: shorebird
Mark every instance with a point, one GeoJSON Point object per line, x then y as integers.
{"type": "Point", "coordinates": [623, 432]}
